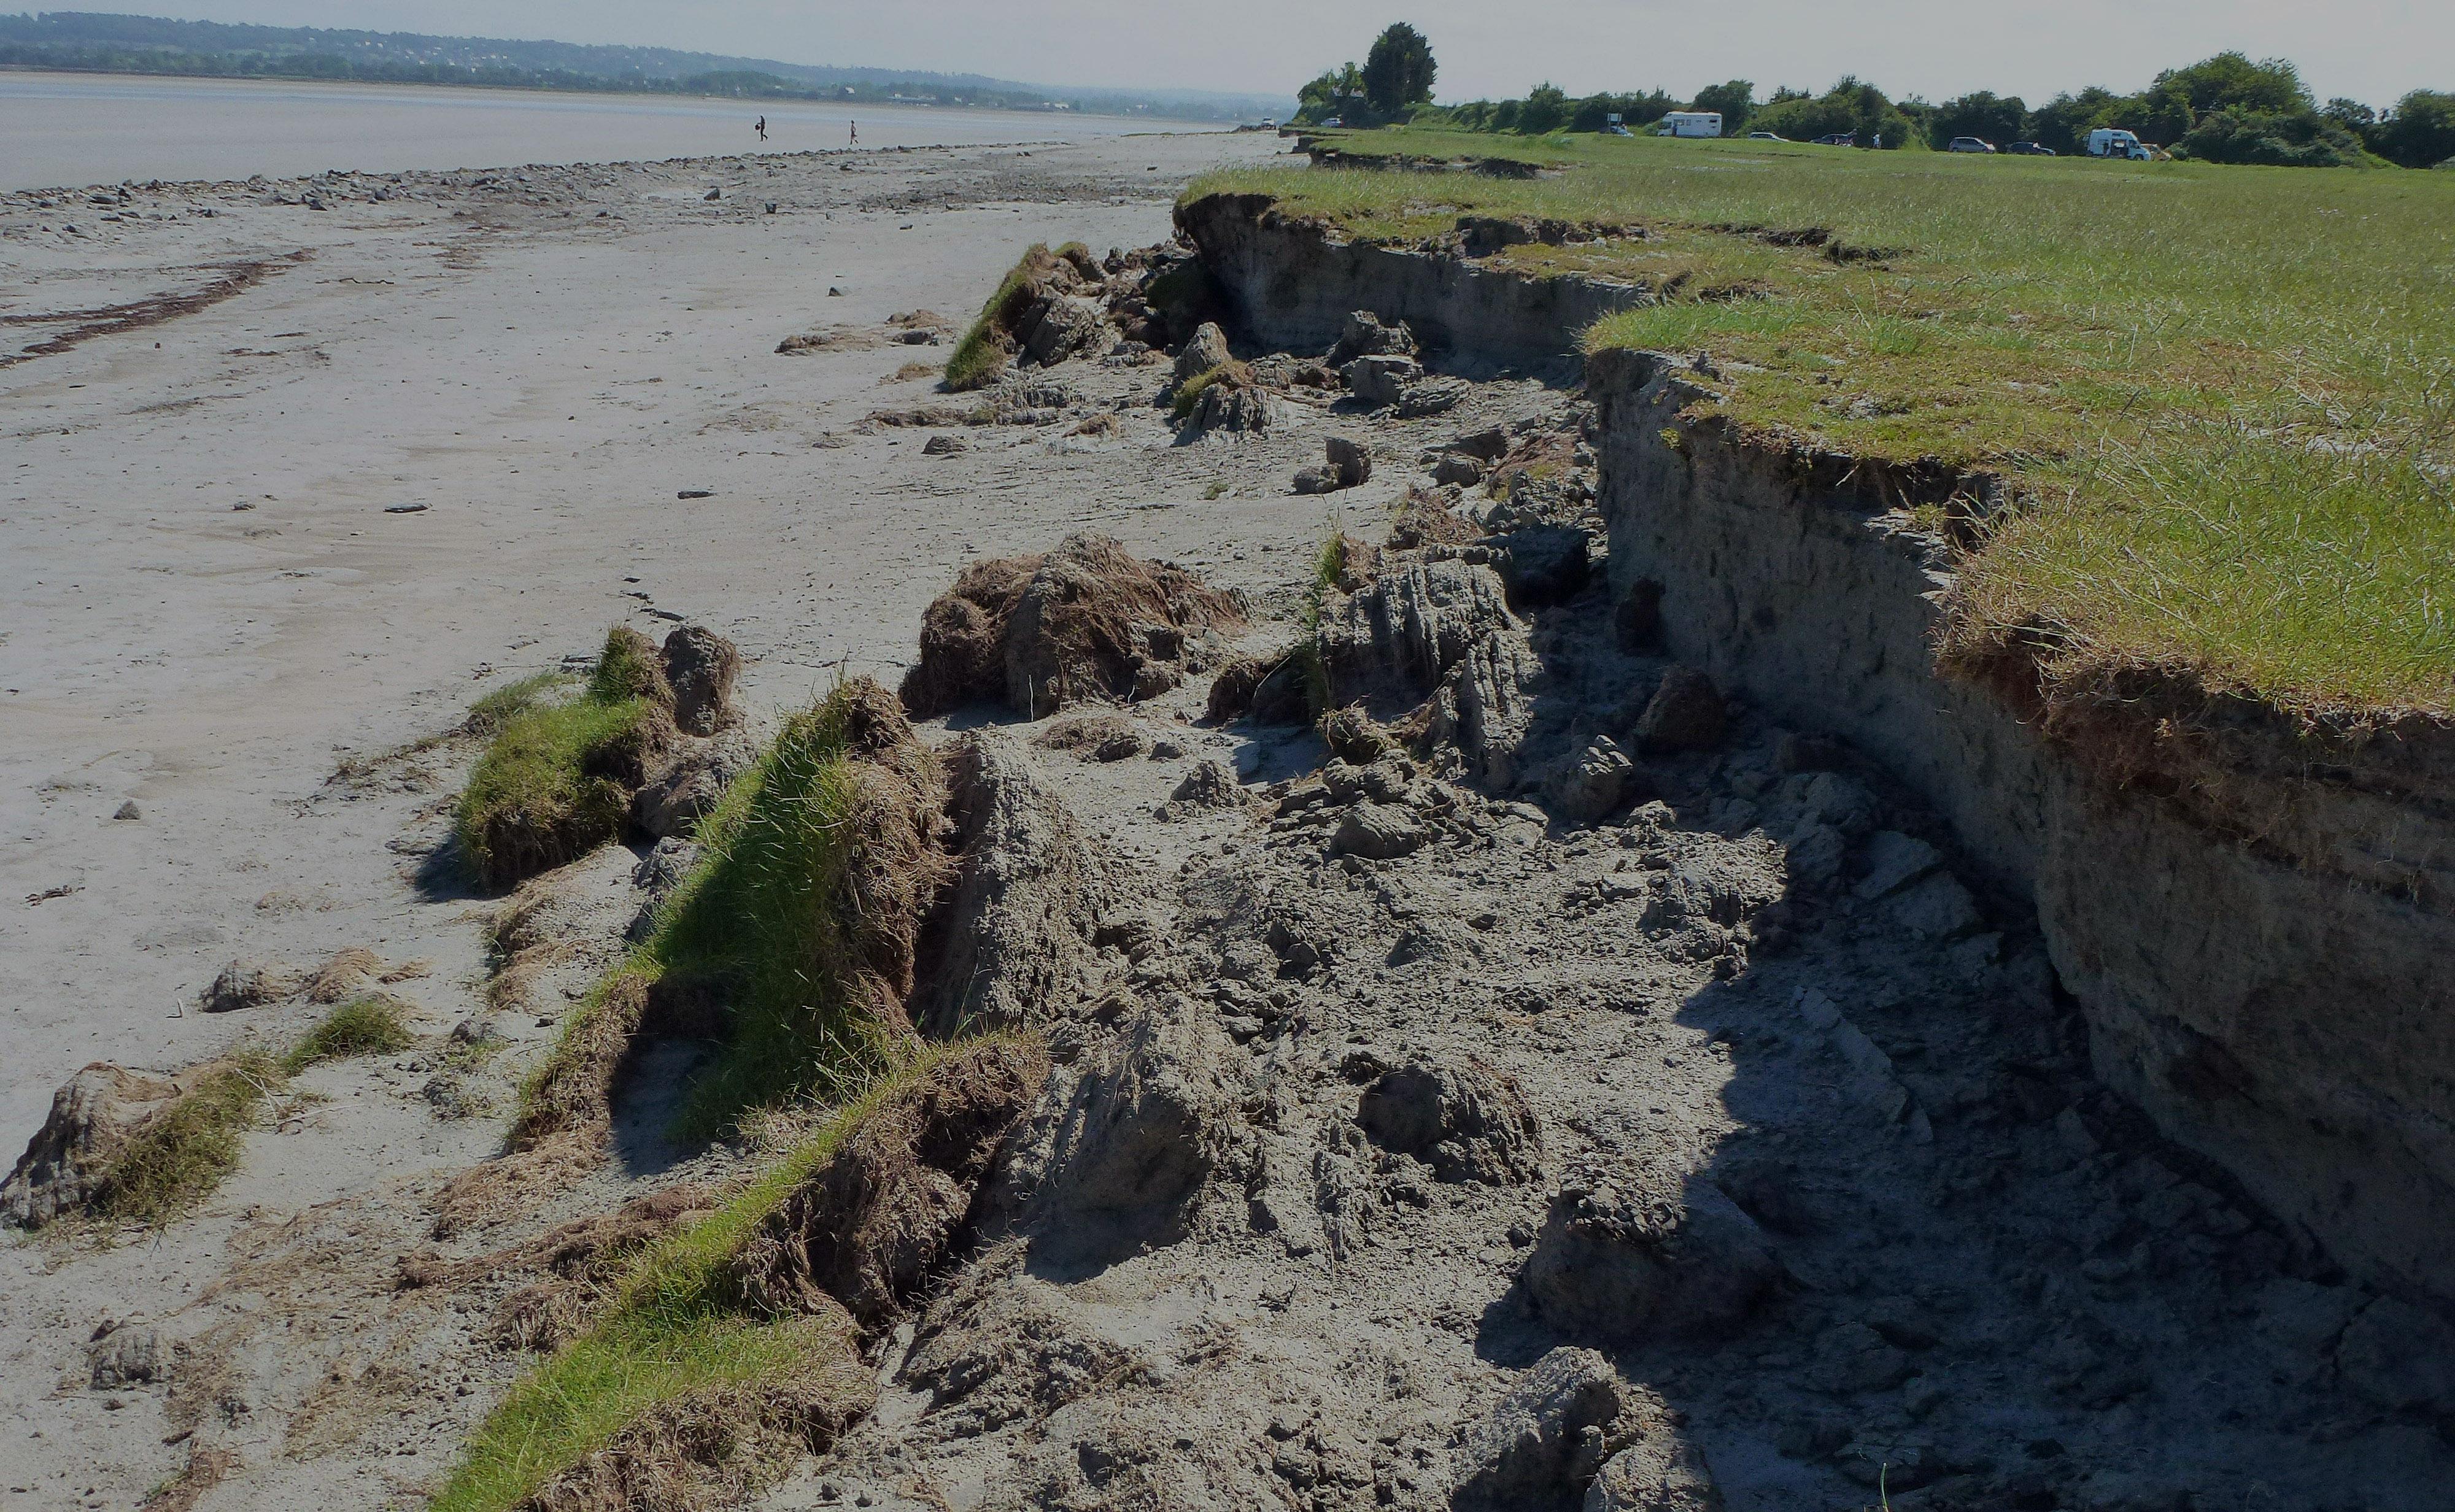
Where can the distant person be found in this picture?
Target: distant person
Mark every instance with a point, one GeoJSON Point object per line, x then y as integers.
{"type": "Point", "coordinates": [763, 128]}
{"type": "Point", "coordinates": [856, 133]}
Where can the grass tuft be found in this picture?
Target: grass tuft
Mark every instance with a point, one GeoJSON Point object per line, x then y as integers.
{"type": "Point", "coordinates": [982, 355]}
{"type": "Point", "coordinates": [499, 708]}
{"type": "Point", "coordinates": [177, 1160]}
{"type": "Point", "coordinates": [371, 1025]}
{"type": "Point", "coordinates": [1188, 394]}
{"type": "Point", "coordinates": [816, 865]}
{"type": "Point", "coordinates": [677, 1328]}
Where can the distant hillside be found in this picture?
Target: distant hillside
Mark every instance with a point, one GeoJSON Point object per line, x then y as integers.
{"type": "Point", "coordinates": [95, 41]}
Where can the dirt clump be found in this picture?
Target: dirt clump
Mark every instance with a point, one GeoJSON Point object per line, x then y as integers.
{"type": "Point", "coordinates": [343, 975]}
{"type": "Point", "coordinates": [893, 1204]}
{"type": "Point", "coordinates": [1621, 1267]}
{"type": "Point", "coordinates": [1464, 1120]}
{"type": "Point", "coordinates": [1547, 1439]}
{"type": "Point", "coordinates": [700, 668]}
{"type": "Point", "coordinates": [1269, 690]}
{"type": "Point", "coordinates": [1125, 1139]}
{"type": "Point", "coordinates": [66, 1165]}
{"type": "Point", "coordinates": [1087, 621]}
{"type": "Point", "coordinates": [1209, 788]}
{"type": "Point", "coordinates": [252, 983]}
{"type": "Point", "coordinates": [1094, 736]}
{"type": "Point", "coordinates": [1009, 941]}
{"type": "Point", "coordinates": [1687, 713]}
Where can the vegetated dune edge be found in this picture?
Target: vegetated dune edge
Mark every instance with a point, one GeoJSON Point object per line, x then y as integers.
{"type": "Point", "coordinates": [2247, 901]}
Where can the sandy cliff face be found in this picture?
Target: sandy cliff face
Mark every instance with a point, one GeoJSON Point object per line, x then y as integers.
{"type": "Point", "coordinates": [2252, 917]}
{"type": "Point", "coordinates": [1293, 285]}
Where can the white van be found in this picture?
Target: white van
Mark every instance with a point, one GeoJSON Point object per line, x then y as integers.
{"type": "Point", "coordinates": [1691, 123]}
{"type": "Point", "coordinates": [2108, 142]}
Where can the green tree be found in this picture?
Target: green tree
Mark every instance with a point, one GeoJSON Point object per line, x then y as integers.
{"type": "Point", "coordinates": [1398, 71]}
{"type": "Point", "coordinates": [1989, 117]}
{"type": "Point", "coordinates": [2231, 81]}
{"type": "Point", "coordinates": [1736, 100]}
{"type": "Point", "coordinates": [2280, 138]}
{"type": "Point", "coordinates": [1546, 110]}
{"type": "Point", "coordinates": [2419, 131]}
{"type": "Point", "coordinates": [2351, 114]}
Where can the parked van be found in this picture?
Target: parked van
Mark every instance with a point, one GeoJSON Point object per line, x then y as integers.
{"type": "Point", "coordinates": [2107, 142]}
{"type": "Point", "coordinates": [1691, 123]}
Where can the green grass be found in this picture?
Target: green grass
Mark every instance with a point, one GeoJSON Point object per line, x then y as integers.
{"type": "Point", "coordinates": [372, 1025]}
{"type": "Point", "coordinates": [495, 710]}
{"type": "Point", "coordinates": [1189, 393]}
{"type": "Point", "coordinates": [534, 800]}
{"type": "Point", "coordinates": [673, 1328]}
{"type": "Point", "coordinates": [765, 914]}
{"type": "Point", "coordinates": [2224, 396]}
{"type": "Point", "coordinates": [179, 1160]}
{"type": "Point", "coordinates": [980, 358]}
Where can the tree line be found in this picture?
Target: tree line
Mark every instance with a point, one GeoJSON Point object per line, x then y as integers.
{"type": "Point", "coordinates": [2227, 109]}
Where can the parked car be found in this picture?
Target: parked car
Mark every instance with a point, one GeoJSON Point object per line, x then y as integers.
{"type": "Point", "coordinates": [1836, 139]}
{"type": "Point", "coordinates": [2029, 150]}
{"type": "Point", "coordinates": [1969, 144]}
{"type": "Point", "coordinates": [1333, 122]}
{"type": "Point", "coordinates": [1766, 136]}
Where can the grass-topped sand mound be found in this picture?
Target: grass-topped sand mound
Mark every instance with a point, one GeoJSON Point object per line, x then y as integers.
{"type": "Point", "coordinates": [793, 942]}
{"type": "Point", "coordinates": [726, 1350]}
{"type": "Point", "coordinates": [123, 1147]}
{"type": "Point", "coordinates": [2221, 399]}
{"type": "Point", "coordinates": [556, 777]}
{"type": "Point", "coordinates": [1087, 622]}
{"type": "Point", "coordinates": [1042, 311]}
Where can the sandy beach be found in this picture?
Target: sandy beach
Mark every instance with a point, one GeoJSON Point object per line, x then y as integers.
{"type": "Point", "coordinates": [220, 403]}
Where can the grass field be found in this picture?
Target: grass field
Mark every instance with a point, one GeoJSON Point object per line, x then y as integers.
{"type": "Point", "coordinates": [2225, 395]}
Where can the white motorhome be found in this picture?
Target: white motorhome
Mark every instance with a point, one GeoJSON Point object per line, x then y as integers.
{"type": "Point", "coordinates": [1691, 123]}
{"type": "Point", "coordinates": [2109, 142]}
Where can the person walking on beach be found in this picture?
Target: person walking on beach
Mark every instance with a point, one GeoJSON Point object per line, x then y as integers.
{"type": "Point", "coordinates": [856, 133]}
{"type": "Point", "coordinates": [763, 128]}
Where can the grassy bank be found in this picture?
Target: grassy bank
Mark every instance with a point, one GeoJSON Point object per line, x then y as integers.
{"type": "Point", "coordinates": [2225, 395]}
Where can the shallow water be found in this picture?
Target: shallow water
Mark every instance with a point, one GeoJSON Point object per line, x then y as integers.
{"type": "Point", "coordinates": [69, 129]}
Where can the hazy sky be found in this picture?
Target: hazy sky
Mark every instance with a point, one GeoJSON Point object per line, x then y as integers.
{"type": "Point", "coordinates": [2372, 49]}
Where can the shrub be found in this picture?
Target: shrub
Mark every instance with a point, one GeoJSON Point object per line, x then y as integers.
{"type": "Point", "coordinates": [2301, 139]}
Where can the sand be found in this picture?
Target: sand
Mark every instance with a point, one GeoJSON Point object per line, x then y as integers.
{"type": "Point", "coordinates": [211, 605]}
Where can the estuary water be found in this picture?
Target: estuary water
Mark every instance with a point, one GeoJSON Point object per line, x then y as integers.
{"type": "Point", "coordinates": [71, 130]}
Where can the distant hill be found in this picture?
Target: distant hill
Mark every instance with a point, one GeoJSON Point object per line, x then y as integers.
{"type": "Point", "coordinates": [97, 41]}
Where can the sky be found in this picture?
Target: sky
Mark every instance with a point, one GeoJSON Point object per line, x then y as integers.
{"type": "Point", "coordinates": [2371, 49]}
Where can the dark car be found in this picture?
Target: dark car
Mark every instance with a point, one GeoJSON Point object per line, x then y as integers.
{"type": "Point", "coordinates": [1837, 139]}
{"type": "Point", "coordinates": [2029, 150]}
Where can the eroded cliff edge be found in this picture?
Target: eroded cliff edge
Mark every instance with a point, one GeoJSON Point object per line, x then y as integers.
{"type": "Point", "coordinates": [2253, 912]}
